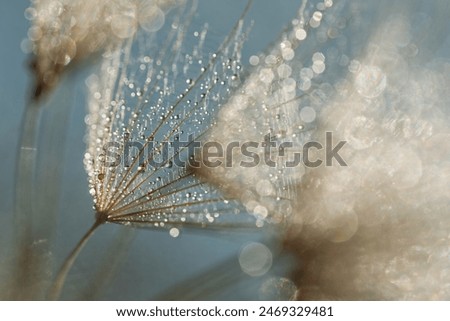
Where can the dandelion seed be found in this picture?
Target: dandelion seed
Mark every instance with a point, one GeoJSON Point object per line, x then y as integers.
{"type": "Point", "coordinates": [154, 190]}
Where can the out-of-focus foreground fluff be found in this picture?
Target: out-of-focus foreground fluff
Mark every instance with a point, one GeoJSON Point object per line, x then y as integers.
{"type": "Point", "coordinates": [367, 78]}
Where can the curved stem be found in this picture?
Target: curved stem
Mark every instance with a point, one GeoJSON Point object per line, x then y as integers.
{"type": "Point", "coordinates": [24, 194]}
{"type": "Point", "coordinates": [58, 283]}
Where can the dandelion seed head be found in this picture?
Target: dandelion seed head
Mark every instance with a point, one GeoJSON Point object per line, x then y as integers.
{"type": "Point", "coordinates": [150, 109]}
{"type": "Point", "coordinates": [255, 259]}
{"type": "Point", "coordinates": [150, 17]}
{"type": "Point", "coordinates": [278, 289]}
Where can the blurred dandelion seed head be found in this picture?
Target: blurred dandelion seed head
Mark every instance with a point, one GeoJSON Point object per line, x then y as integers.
{"type": "Point", "coordinates": [63, 32]}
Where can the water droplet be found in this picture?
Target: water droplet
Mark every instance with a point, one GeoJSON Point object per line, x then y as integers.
{"type": "Point", "coordinates": [305, 84]}
{"type": "Point", "coordinates": [260, 211]}
{"type": "Point", "coordinates": [315, 20]}
{"type": "Point", "coordinates": [306, 73]}
{"type": "Point", "coordinates": [34, 33]}
{"type": "Point", "coordinates": [300, 34]}
{"type": "Point", "coordinates": [328, 3]}
{"type": "Point", "coordinates": [354, 66]}
{"type": "Point", "coordinates": [318, 56]}
{"type": "Point", "coordinates": [30, 13]}
{"type": "Point", "coordinates": [265, 187]}
{"type": "Point", "coordinates": [343, 226]}
{"type": "Point", "coordinates": [151, 18]}
{"type": "Point", "coordinates": [123, 25]}
{"type": "Point", "coordinates": [318, 67]}
{"type": "Point", "coordinates": [284, 71]}
{"type": "Point", "coordinates": [254, 60]}
{"type": "Point", "coordinates": [174, 232]}
{"type": "Point", "coordinates": [308, 114]}
{"type": "Point", "coordinates": [288, 54]}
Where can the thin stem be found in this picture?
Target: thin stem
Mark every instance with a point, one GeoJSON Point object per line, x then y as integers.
{"type": "Point", "coordinates": [56, 288]}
